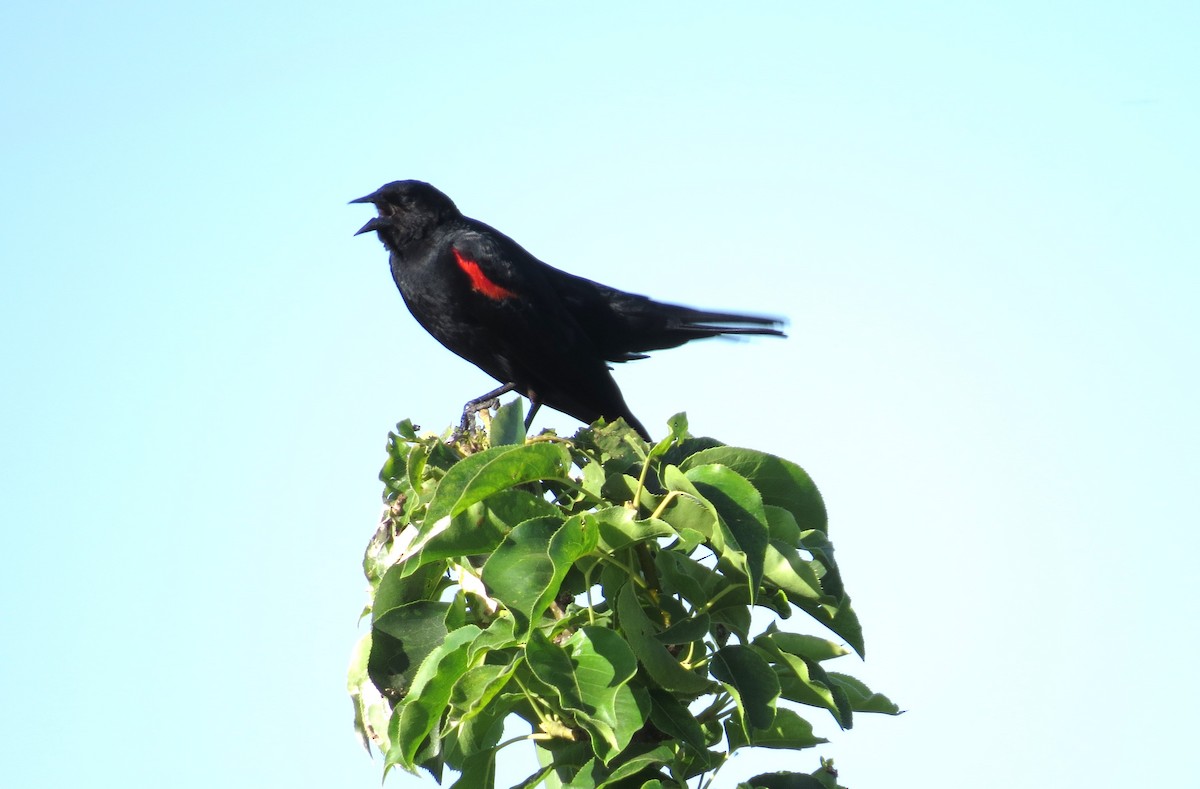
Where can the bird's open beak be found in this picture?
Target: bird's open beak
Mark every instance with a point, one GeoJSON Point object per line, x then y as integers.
{"type": "Point", "coordinates": [374, 224]}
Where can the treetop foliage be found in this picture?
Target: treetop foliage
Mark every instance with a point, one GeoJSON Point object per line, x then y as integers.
{"type": "Point", "coordinates": [600, 589]}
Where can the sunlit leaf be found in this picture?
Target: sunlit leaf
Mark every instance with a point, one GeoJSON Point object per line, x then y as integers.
{"type": "Point", "coordinates": [480, 475]}
{"type": "Point", "coordinates": [588, 674]}
{"type": "Point", "coordinates": [508, 425]}
{"type": "Point", "coordinates": [620, 527]}
{"type": "Point", "coordinates": [743, 533]}
{"type": "Point", "coordinates": [527, 568]}
{"type": "Point", "coordinates": [661, 755]}
{"type": "Point", "coordinates": [787, 730]}
{"type": "Point", "coordinates": [780, 482]}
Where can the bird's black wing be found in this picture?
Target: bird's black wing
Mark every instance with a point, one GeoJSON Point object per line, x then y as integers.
{"type": "Point", "coordinates": [537, 340]}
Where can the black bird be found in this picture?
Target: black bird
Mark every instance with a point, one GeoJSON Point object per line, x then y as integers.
{"type": "Point", "coordinates": [545, 333]}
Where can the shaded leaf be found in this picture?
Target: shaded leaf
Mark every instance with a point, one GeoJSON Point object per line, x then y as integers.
{"type": "Point", "coordinates": [751, 681]}
{"type": "Point", "coordinates": [684, 631]}
{"type": "Point", "coordinates": [426, 701]}
{"type": "Point", "coordinates": [784, 780]}
{"type": "Point", "coordinates": [675, 720]}
{"type": "Point", "coordinates": [478, 771]}
{"type": "Point", "coordinates": [838, 617]}
{"type": "Point", "coordinates": [661, 755]}
{"type": "Point", "coordinates": [659, 662]}
{"type": "Point", "coordinates": [862, 699]}
{"type": "Point", "coordinates": [400, 639]}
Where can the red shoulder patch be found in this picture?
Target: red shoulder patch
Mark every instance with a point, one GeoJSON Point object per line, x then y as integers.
{"type": "Point", "coordinates": [479, 281]}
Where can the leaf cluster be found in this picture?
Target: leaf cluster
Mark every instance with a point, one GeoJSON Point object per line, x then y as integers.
{"type": "Point", "coordinates": [600, 589]}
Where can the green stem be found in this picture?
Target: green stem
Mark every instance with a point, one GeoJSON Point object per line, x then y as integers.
{"type": "Point", "coordinates": [712, 600]}
{"type": "Point", "coordinates": [637, 496]}
{"type": "Point", "coordinates": [533, 700]}
{"type": "Point", "coordinates": [624, 567]}
{"type": "Point", "coordinates": [522, 738]}
{"type": "Point", "coordinates": [662, 505]}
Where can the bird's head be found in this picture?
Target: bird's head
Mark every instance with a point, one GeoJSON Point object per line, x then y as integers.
{"type": "Point", "coordinates": [408, 210]}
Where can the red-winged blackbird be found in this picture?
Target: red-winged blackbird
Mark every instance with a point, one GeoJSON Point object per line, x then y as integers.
{"type": "Point", "coordinates": [543, 332]}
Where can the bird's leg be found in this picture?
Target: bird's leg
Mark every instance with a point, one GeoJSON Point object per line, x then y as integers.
{"type": "Point", "coordinates": [480, 403]}
{"type": "Point", "coordinates": [534, 405]}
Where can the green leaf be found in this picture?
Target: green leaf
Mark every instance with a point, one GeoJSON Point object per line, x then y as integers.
{"type": "Point", "coordinates": [838, 617]}
{"type": "Point", "coordinates": [588, 674]}
{"type": "Point", "coordinates": [478, 476]}
{"type": "Point", "coordinates": [780, 482]}
{"type": "Point", "coordinates": [811, 647]}
{"type": "Point", "coordinates": [687, 513]}
{"type": "Point", "coordinates": [400, 639]}
{"type": "Point", "coordinates": [480, 528]}
{"type": "Point", "coordinates": [743, 534]}
{"type": "Point", "coordinates": [750, 680]}
{"type": "Point", "coordinates": [478, 771]}
{"type": "Point", "coordinates": [480, 733]}
{"type": "Point", "coordinates": [804, 681]}
{"type": "Point", "coordinates": [686, 577]}
{"type": "Point", "coordinates": [396, 590]}
{"type": "Point", "coordinates": [684, 631]}
{"type": "Point", "coordinates": [673, 719]}
{"type": "Point", "coordinates": [735, 617]}
{"type": "Point", "coordinates": [783, 566]}
{"type": "Point", "coordinates": [508, 425]}
{"type": "Point", "coordinates": [661, 755]}
{"type": "Point", "coordinates": [620, 528]}
{"type": "Point", "coordinates": [477, 687]}
{"type": "Point", "coordinates": [500, 634]}
{"type": "Point", "coordinates": [788, 730]}
{"type": "Point", "coordinates": [415, 465]}
{"type": "Point", "coordinates": [862, 699]}
{"type": "Point", "coordinates": [357, 682]}
{"type": "Point", "coordinates": [423, 706]}
{"type": "Point", "coordinates": [818, 544]}
{"type": "Point", "coordinates": [406, 430]}
{"type": "Point", "coordinates": [526, 570]}
{"type": "Point", "coordinates": [783, 780]}
{"type": "Point", "coordinates": [659, 662]}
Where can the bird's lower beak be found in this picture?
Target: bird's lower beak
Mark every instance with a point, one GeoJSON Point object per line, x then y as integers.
{"type": "Point", "coordinates": [374, 223]}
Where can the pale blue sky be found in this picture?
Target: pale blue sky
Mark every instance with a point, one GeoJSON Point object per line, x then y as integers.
{"type": "Point", "coordinates": [980, 218]}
